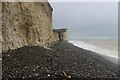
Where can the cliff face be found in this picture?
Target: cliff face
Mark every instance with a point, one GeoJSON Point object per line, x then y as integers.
{"type": "Point", "coordinates": [26, 24]}
{"type": "Point", "coordinates": [0, 27]}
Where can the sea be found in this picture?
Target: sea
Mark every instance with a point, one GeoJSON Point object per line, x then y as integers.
{"type": "Point", "coordinates": [105, 47]}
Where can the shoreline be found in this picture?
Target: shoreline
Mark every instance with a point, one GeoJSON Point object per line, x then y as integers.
{"type": "Point", "coordinates": [102, 47]}
{"type": "Point", "coordinates": [110, 59]}
{"type": "Point", "coordinates": [114, 60]}
{"type": "Point", "coordinates": [62, 60]}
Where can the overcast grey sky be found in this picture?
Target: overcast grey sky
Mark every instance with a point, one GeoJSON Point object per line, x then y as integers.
{"type": "Point", "coordinates": [83, 0]}
{"type": "Point", "coordinates": [87, 20]}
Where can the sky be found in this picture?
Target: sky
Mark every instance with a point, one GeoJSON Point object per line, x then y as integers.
{"type": "Point", "coordinates": [83, 0]}
{"type": "Point", "coordinates": [87, 20]}
{"type": "Point", "coordinates": [60, 0]}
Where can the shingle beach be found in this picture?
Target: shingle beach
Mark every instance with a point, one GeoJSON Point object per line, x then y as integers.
{"type": "Point", "coordinates": [61, 61]}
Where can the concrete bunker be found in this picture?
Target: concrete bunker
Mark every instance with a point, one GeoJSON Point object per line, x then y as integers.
{"type": "Point", "coordinates": [60, 34]}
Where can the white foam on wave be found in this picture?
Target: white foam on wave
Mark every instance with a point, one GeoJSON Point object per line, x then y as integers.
{"type": "Point", "coordinates": [95, 48]}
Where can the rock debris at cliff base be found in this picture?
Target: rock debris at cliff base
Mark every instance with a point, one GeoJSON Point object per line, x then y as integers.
{"type": "Point", "coordinates": [62, 60]}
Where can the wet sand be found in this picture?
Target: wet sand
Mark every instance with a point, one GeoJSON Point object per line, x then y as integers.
{"type": "Point", "coordinates": [61, 61]}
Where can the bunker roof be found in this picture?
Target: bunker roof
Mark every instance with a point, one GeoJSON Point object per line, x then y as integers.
{"type": "Point", "coordinates": [60, 30]}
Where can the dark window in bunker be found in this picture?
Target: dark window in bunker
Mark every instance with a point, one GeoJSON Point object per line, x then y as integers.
{"type": "Point", "coordinates": [61, 36]}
